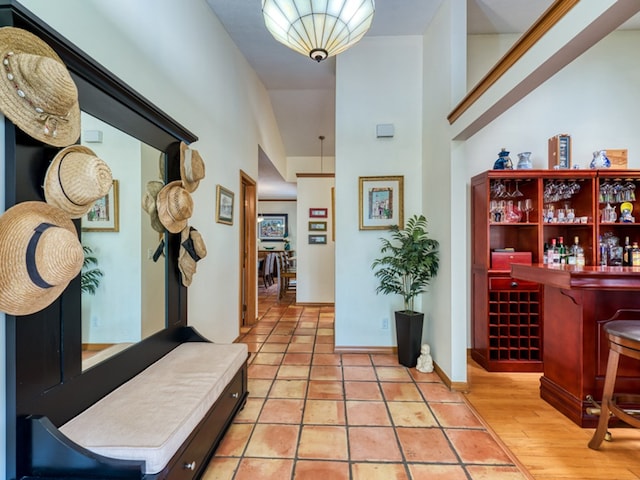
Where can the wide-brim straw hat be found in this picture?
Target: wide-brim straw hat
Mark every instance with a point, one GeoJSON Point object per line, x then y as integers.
{"type": "Point", "coordinates": [149, 201]}
{"type": "Point", "coordinates": [175, 206]}
{"type": "Point", "coordinates": [36, 91]}
{"type": "Point", "coordinates": [75, 179]}
{"type": "Point", "coordinates": [40, 254]}
{"type": "Point", "coordinates": [192, 250]}
{"type": "Point", "coordinates": [191, 167]}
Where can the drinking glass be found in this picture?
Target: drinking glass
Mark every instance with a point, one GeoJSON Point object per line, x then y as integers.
{"type": "Point", "coordinates": [528, 207]}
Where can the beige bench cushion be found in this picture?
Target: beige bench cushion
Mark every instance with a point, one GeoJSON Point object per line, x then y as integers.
{"type": "Point", "coordinates": [151, 415]}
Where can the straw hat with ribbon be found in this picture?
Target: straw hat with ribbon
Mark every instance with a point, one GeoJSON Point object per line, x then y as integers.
{"type": "Point", "coordinates": [175, 206]}
{"type": "Point", "coordinates": [75, 179]}
{"type": "Point", "coordinates": [192, 249]}
{"type": "Point", "coordinates": [39, 253]}
{"type": "Point", "coordinates": [149, 204]}
{"type": "Point", "coordinates": [36, 91]}
{"type": "Point", "coordinates": [191, 167]}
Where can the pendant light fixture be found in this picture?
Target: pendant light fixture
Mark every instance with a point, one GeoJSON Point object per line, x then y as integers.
{"type": "Point", "coordinates": [321, 138]}
{"type": "Point", "coordinates": [318, 28]}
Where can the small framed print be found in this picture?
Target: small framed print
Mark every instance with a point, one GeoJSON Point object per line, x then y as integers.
{"type": "Point", "coordinates": [318, 212]}
{"type": "Point", "coordinates": [318, 226]}
{"type": "Point", "coordinates": [317, 239]}
{"type": "Point", "coordinates": [104, 216]}
{"type": "Point", "coordinates": [224, 210]}
{"type": "Point", "coordinates": [381, 202]}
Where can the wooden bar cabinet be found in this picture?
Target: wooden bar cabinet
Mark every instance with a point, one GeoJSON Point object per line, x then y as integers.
{"type": "Point", "coordinates": [508, 324]}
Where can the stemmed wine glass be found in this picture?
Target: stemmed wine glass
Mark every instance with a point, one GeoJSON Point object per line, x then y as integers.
{"type": "Point", "coordinates": [528, 207]}
{"type": "Point", "coordinates": [517, 192]}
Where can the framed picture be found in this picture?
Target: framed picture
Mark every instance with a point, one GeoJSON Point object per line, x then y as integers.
{"type": "Point", "coordinates": [104, 216]}
{"type": "Point", "coordinates": [274, 227]}
{"type": "Point", "coordinates": [381, 202]}
{"type": "Point", "coordinates": [317, 239]}
{"type": "Point", "coordinates": [224, 210]}
{"type": "Point", "coordinates": [318, 226]}
{"type": "Point", "coordinates": [318, 212]}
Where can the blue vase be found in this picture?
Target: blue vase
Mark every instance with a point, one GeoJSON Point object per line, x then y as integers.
{"type": "Point", "coordinates": [504, 161]}
{"type": "Point", "coordinates": [600, 160]}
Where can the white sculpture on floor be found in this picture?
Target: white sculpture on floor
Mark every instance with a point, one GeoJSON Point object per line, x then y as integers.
{"type": "Point", "coordinates": [425, 362]}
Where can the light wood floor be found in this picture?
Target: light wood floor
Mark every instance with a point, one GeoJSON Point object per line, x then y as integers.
{"type": "Point", "coordinates": [548, 445]}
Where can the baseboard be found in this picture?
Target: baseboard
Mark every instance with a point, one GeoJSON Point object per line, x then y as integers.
{"type": "Point", "coordinates": [453, 386]}
{"type": "Point", "coordinates": [314, 304]}
{"type": "Point", "coordinates": [368, 350]}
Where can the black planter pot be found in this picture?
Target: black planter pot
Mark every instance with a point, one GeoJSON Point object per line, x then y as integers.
{"type": "Point", "coordinates": [409, 334]}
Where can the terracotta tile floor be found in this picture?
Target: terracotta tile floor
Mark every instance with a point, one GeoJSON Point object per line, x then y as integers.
{"type": "Point", "coordinates": [312, 414]}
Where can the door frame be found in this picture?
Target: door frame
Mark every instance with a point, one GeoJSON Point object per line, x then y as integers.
{"type": "Point", "coordinates": [248, 296]}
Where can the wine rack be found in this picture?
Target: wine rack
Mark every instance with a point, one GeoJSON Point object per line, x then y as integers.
{"type": "Point", "coordinates": [515, 330]}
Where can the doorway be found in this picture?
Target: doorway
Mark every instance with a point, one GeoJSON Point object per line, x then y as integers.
{"type": "Point", "coordinates": [248, 257]}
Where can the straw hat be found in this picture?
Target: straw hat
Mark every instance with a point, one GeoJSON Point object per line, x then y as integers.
{"type": "Point", "coordinates": [175, 206]}
{"type": "Point", "coordinates": [149, 204]}
{"type": "Point", "coordinates": [191, 167]}
{"type": "Point", "coordinates": [75, 179]}
{"type": "Point", "coordinates": [192, 249]}
{"type": "Point", "coordinates": [39, 253]}
{"type": "Point", "coordinates": [36, 91]}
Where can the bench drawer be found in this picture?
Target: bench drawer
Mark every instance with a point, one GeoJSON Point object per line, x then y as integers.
{"type": "Point", "coordinates": [192, 461]}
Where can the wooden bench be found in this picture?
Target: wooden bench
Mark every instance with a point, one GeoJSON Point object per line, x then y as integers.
{"type": "Point", "coordinates": [163, 423]}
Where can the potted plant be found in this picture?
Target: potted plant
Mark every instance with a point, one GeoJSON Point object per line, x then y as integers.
{"type": "Point", "coordinates": [410, 259]}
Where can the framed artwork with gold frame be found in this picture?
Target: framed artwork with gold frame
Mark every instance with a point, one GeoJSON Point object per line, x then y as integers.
{"type": "Point", "coordinates": [381, 202]}
{"type": "Point", "coordinates": [104, 215]}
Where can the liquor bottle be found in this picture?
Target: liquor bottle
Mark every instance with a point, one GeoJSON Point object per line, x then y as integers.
{"type": "Point", "coordinates": [572, 259]}
{"type": "Point", "coordinates": [626, 253]}
{"type": "Point", "coordinates": [635, 255]}
{"type": "Point", "coordinates": [562, 251]}
{"type": "Point", "coordinates": [551, 252]}
{"type": "Point", "coordinates": [604, 252]}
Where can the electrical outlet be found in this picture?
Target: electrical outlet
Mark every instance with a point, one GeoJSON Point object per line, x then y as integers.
{"type": "Point", "coordinates": [385, 324]}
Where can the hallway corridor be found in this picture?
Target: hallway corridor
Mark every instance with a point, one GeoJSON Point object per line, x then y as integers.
{"type": "Point", "coordinates": [312, 414]}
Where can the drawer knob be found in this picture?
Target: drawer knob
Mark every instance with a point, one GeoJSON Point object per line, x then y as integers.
{"type": "Point", "coordinates": [514, 284]}
{"type": "Point", "coordinates": [190, 466]}
{"type": "Point", "coordinates": [235, 395]}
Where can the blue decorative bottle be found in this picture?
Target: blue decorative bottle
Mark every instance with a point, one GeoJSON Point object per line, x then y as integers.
{"type": "Point", "coordinates": [504, 161]}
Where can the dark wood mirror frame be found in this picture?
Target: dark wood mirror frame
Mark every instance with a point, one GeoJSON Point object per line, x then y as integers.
{"type": "Point", "coordinates": [43, 350]}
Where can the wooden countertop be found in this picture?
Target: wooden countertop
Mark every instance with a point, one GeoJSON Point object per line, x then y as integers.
{"type": "Point", "coordinates": [570, 276]}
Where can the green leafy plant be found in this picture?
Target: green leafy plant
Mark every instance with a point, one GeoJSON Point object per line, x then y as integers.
{"type": "Point", "coordinates": [410, 259]}
{"type": "Point", "coordinates": [90, 277]}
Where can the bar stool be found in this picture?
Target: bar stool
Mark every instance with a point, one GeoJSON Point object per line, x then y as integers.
{"type": "Point", "coordinates": [624, 339]}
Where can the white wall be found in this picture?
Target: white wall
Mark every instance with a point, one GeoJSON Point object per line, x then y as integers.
{"type": "Point", "coordinates": [594, 99]}
{"type": "Point", "coordinates": [377, 81]}
{"type": "Point", "coordinates": [315, 264]}
{"type": "Point", "coordinates": [444, 189]}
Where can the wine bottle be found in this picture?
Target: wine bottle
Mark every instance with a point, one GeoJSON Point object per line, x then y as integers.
{"type": "Point", "coordinates": [562, 251]}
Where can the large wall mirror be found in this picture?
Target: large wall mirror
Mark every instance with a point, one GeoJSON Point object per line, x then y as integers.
{"type": "Point", "coordinates": [128, 304]}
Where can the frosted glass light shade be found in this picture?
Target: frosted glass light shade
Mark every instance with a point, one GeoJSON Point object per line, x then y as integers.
{"type": "Point", "coordinates": [318, 28]}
